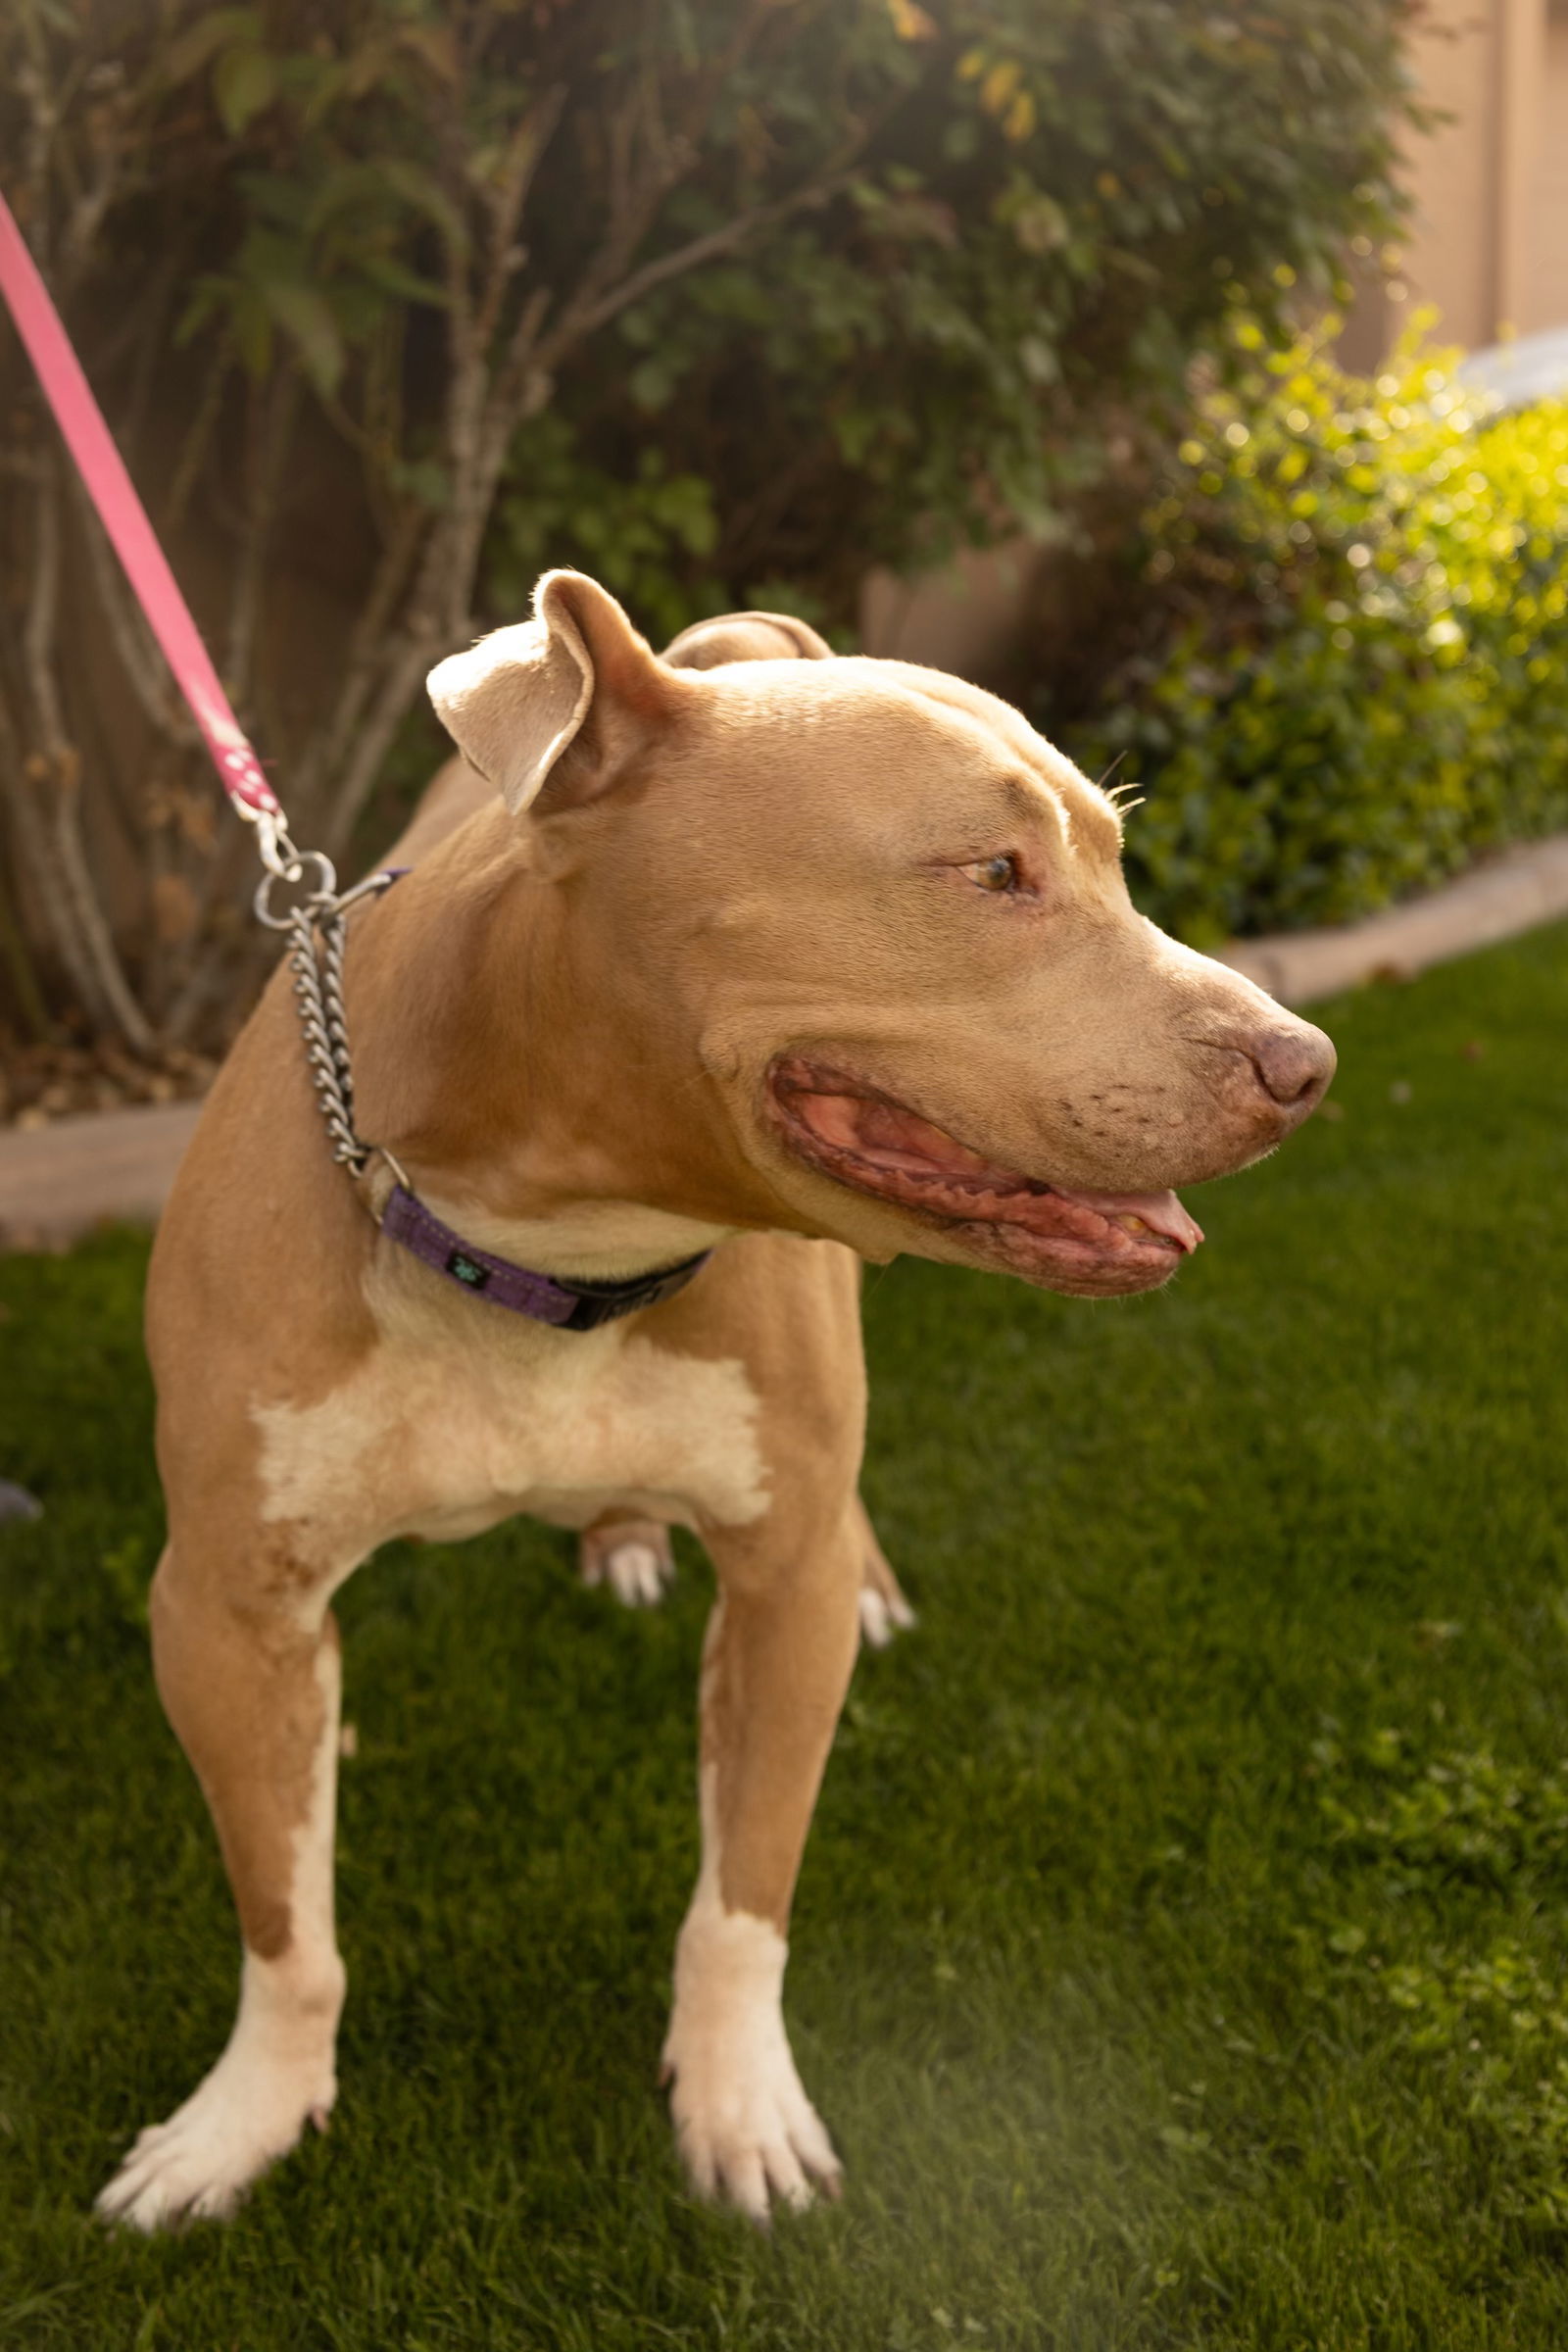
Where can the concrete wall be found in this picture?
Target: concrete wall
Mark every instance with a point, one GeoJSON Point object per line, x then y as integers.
{"type": "Point", "coordinates": [1489, 240]}
{"type": "Point", "coordinates": [963, 618]}
{"type": "Point", "coordinates": [1449, 256]}
{"type": "Point", "coordinates": [1546, 294]}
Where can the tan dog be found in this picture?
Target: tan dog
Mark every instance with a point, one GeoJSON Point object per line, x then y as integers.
{"type": "Point", "coordinates": [796, 959]}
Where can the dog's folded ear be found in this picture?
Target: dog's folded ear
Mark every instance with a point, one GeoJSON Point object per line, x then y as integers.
{"type": "Point", "coordinates": [551, 710]}
{"type": "Point", "coordinates": [746, 637]}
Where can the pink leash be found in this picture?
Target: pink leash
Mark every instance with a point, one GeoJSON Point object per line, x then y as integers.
{"type": "Point", "coordinates": [87, 437]}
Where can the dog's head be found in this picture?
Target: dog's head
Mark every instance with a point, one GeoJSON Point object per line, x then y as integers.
{"type": "Point", "coordinates": [883, 926]}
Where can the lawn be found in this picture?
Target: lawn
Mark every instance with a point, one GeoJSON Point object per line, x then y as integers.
{"type": "Point", "coordinates": [1180, 1951]}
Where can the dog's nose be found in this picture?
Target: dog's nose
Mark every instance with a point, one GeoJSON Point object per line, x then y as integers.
{"type": "Point", "coordinates": [1294, 1065]}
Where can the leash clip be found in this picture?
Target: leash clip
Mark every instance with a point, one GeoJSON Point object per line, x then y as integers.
{"type": "Point", "coordinates": [285, 864]}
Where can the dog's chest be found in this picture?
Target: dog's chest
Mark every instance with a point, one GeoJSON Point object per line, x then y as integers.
{"type": "Point", "coordinates": [455, 1422]}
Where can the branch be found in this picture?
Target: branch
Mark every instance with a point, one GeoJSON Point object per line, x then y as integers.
{"type": "Point", "coordinates": [514, 182]}
{"type": "Point", "coordinates": [280, 406]}
{"type": "Point", "coordinates": [33, 864]}
{"type": "Point", "coordinates": [90, 206]}
{"type": "Point", "coordinates": [38, 632]}
{"type": "Point", "coordinates": [633, 203]}
{"type": "Point", "coordinates": [698, 249]}
{"type": "Point", "coordinates": [226, 970]}
{"type": "Point", "coordinates": [152, 344]}
{"type": "Point", "coordinates": [367, 655]}
{"type": "Point", "coordinates": [400, 684]}
{"type": "Point", "coordinates": [193, 454]}
{"type": "Point", "coordinates": [14, 950]}
{"type": "Point", "coordinates": [83, 935]}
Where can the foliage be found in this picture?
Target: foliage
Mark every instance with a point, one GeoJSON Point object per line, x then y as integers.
{"type": "Point", "coordinates": [1068, 201]}
{"type": "Point", "coordinates": [1355, 669]}
{"type": "Point", "coordinates": [648, 537]}
{"type": "Point", "coordinates": [1457, 1814]}
{"type": "Point", "coordinates": [401, 297]}
{"type": "Point", "coordinates": [1486, 2013]}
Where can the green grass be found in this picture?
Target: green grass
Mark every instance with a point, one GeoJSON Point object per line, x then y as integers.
{"type": "Point", "coordinates": [1179, 1948]}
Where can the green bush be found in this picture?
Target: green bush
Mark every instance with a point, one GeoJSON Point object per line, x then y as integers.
{"type": "Point", "coordinates": [398, 300]}
{"type": "Point", "coordinates": [1353, 678]}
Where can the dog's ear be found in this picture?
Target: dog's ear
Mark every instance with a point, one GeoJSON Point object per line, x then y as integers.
{"type": "Point", "coordinates": [555, 705]}
{"type": "Point", "coordinates": [746, 637]}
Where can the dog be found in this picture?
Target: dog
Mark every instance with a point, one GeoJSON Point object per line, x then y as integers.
{"type": "Point", "coordinates": [751, 961]}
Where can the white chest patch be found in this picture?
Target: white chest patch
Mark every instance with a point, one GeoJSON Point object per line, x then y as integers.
{"type": "Point", "coordinates": [457, 1420]}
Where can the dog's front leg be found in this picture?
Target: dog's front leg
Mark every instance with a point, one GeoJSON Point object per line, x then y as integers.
{"type": "Point", "coordinates": [251, 1687]}
{"type": "Point", "coordinates": [780, 1646]}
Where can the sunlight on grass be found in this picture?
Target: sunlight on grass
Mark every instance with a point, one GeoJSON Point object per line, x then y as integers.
{"type": "Point", "coordinates": [1179, 1957]}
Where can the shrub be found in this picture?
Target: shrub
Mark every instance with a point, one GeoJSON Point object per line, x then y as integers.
{"type": "Point", "coordinates": [1353, 678]}
{"type": "Point", "coordinates": [398, 299]}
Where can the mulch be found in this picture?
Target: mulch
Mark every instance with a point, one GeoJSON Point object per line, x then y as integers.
{"type": "Point", "coordinates": [40, 1083]}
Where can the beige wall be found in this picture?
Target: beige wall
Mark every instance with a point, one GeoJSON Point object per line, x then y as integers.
{"type": "Point", "coordinates": [1489, 235]}
{"type": "Point", "coordinates": [1448, 257]}
{"type": "Point", "coordinates": [1546, 303]}
{"type": "Point", "coordinates": [964, 618]}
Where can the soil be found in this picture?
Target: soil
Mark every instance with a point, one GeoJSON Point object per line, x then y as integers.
{"type": "Point", "coordinates": [39, 1084]}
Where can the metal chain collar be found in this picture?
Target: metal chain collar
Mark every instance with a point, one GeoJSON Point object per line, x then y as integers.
{"type": "Point", "coordinates": [316, 938]}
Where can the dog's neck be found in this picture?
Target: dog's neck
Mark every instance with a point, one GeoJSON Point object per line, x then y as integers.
{"type": "Point", "coordinates": [540, 1105]}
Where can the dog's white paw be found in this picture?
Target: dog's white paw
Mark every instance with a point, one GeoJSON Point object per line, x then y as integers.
{"type": "Point", "coordinates": [637, 1576]}
{"type": "Point", "coordinates": [746, 2130]}
{"type": "Point", "coordinates": [882, 1615]}
{"type": "Point", "coordinates": [250, 2111]}
{"type": "Point", "coordinates": [633, 1557]}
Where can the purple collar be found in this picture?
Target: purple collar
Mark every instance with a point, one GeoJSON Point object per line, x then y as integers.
{"type": "Point", "coordinates": [404, 1219]}
{"type": "Point", "coordinates": [568, 1305]}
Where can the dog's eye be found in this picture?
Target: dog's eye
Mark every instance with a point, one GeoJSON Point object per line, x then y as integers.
{"type": "Point", "coordinates": [998, 873]}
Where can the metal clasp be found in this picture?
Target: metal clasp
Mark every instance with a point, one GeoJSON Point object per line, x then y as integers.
{"type": "Point", "coordinates": [285, 864]}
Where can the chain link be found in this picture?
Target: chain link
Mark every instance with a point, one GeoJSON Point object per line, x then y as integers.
{"type": "Point", "coordinates": [317, 941]}
{"type": "Point", "coordinates": [318, 988]}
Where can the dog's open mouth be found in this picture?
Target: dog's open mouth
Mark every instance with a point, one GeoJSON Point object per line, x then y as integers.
{"type": "Point", "coordinates": [1066, 1239]}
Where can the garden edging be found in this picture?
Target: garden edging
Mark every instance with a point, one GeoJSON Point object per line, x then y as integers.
{"type": "Point", "coordinates": [1509, 894]}
{"type": "Point", "coordinates": [115, 1166]}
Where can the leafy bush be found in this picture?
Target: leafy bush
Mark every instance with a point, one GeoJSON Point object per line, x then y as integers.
{"type": "Point", "coordinates": [1353, 677]}
{"type": "Point", "coordinates": [407, 297]}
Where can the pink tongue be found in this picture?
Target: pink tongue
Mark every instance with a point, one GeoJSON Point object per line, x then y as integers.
{"type": "Point", "coordinates": [1161, 1212]}
{"type": "Point", "coordinates": [900, 1137]}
